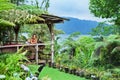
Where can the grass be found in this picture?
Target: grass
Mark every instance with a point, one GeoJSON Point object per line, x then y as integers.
{"type": "Point", "coordinates": [54, 74]}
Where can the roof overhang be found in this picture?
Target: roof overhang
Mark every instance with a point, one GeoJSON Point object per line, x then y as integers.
{"type": "Point", "coordinates": [52, 19]}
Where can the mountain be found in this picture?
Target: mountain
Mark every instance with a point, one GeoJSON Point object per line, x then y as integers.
{"type": "Point", "coordinates": [77, 25]}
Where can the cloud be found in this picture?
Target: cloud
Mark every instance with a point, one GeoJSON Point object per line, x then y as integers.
{"type": "Point", "coordinates": [72, 8]}
{"type": "Point", "coordinates": [68, 6]}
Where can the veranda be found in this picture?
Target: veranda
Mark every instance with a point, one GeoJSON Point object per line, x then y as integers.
{"type": "Point", "coordinates": [50, 20]}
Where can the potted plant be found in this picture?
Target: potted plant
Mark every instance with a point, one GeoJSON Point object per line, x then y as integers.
{"type": "Point", "coordinates": [87, 74]}
{"type": "Point", "coordinates": [66, 69]}
{"type": "Point", "coordinates": [61, 68]}
{"type": "Point", "coordinates": [72, 69]}
{"type": "Point", "coordinates": [80, 72]}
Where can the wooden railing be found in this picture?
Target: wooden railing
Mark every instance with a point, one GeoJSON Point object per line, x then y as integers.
{"type": "Point", "coordinates": [18, 46]}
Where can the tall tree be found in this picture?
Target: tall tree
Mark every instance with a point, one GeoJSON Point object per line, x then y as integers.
{"type": "Point", "coordinates": [106, 9]}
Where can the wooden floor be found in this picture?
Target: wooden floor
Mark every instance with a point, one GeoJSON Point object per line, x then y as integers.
{"type": "Point", "coordinates": [39, 62]}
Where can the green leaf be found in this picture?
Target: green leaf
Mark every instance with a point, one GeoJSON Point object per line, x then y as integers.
{"type": "Point", "coordinates": [4, 23]}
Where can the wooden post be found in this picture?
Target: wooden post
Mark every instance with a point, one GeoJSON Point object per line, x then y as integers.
{"type": "Point", "coordinates": [51, 28]}
{"type": "Point", "coordinates": [36, 47]}
{"type": "Point", "coordinates": [17, 48]}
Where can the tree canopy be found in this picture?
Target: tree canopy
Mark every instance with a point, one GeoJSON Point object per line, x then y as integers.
{"type": "Point", "coordinates": [5, 5]}
{"type": "Point", "coordinates": [4, 23]}
{"type": "Point", "coordinates": [106, 9]}
{"type": "Point", "coordinates": [31, 9]}
{"type": "Point", "coordinates": [19, 16]}
{"type": "Point", "coordinates": [103, 29]}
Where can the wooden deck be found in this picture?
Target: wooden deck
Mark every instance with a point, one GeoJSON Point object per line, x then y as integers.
{"type": "Point", "coordinates": [15, 48]}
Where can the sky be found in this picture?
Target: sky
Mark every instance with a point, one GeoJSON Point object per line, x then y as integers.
{"type": "Point", "coordinates": [72, 8]}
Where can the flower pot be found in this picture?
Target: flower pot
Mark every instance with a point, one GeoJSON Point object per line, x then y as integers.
{"type": "Point", "coordinates": [81, 73]}
{"type": "Point", "coordinates": [66, 69]}
{"type": "Point", "coordinates": [53, 65]}
{"type": "Point", "coordinates": [57, 66]}
{"type": "Point", "coordinates": [88, 76]}
{"type": "Point", "coordinates": [77, 73]}
{"type": "Point", "coordinates": [61, 68]}
{"type": "Point", "coordinates": [74, 71]}
{"type": "Point", "coordinates": [70, 71]}
{"type": "Point", "coordinates": [96, 78]}
{"type": "Point", "coordinates": [50, 64]}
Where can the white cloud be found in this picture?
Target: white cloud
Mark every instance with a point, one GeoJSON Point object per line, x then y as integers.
{"type": "Point", "coordinates": [72, 8]}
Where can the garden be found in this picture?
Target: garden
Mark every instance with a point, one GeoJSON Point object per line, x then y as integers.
{"type": "Point", "coordinates": [91, 58]}
{"type": "Point", "coordinates": [78, 57]}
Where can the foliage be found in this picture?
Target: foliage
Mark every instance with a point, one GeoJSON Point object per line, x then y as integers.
{"type": "Point", "coordinates": [5, 5]}
{"type": "Point", "coordinates": [5, 23]}
{"type": "Point", "coordinates": [57, 46]}
{"type": "Point", "coordinates": [78, 52]}
{"type": "Point", "coordinates": [19, 16]}
{"type": "Point", "coordinates": [84, 52]}
{"type": "Point", "coordinates": [113, 37]}
{"type": "Point", "coordinates": [70, 44]}
{"type": "Point", "coordinates": [33, 68]}
{"type": "Point", "coordinates": [39, 29]}
{"type": "Point", "coordinates": [10, 65]}
{"type": "Point", "coordinates": [92, 57]}
{"type": "Point", "coordinates": [3, 30]}
{"type": "Point", "coordinates": [108, 53]}
{"type": "Point", "coordinates": [106, 9]}
{"type": "Point", "coordinates": [103, 29]}
{"type": "Point", "coordinates": [17, 2]}
{"type": "Point", "coordinates": [31, 9]}
{"type": "Point", "coordinates": [86, 44]}
{"type": "Point", "coordinates": [5, 35]}
{"type": "Point", "coordinates": [45, 4]}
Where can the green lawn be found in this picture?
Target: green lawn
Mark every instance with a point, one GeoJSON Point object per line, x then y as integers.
{"type": "Point", "coordinates": [55, 74]}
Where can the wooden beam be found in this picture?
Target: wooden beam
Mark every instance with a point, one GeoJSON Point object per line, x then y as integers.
{"type": "Point", "coordinates": [51, 28]}
{"type": "Point", "coordinates": [53, 16]}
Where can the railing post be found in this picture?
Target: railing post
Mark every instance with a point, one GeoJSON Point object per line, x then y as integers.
{"type": "Point", "coordinates": [36, 53]}
{"type": "Point", "coordinates": [17, 48]}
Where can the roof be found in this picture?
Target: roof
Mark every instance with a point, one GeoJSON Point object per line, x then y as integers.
{"type": "Point", "coordinates": [52, 19]}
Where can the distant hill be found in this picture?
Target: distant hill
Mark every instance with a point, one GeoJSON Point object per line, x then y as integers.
{"type": "Point", "coordinates": [77, 25]}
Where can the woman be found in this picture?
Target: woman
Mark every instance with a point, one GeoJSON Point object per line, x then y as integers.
{"type": "Point", "coordinates": [33, 39]}
{"type": "Point", "coordinates": [32, 49]}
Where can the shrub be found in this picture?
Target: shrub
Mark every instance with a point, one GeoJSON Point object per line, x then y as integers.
{"type": "Point", "coordinates": [10, 66]}
{"type": "Point", "coordinates": [84, 51]}
{"type": "Point", "coordinates": [108, 53]}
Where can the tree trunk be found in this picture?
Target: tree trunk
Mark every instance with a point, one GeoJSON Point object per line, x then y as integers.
{"type": "Point", "coordinates": [17, 2]}
{"type": "Point", "coordinates": [16, 30]}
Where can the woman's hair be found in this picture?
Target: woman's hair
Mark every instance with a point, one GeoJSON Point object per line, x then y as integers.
{"type": "Point", "coordinates": [34, 35]}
